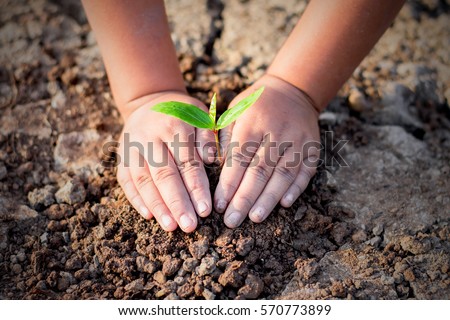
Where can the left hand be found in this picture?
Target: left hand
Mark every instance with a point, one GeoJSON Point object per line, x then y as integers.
{"type": "Point", "coordinates": [266, 159]}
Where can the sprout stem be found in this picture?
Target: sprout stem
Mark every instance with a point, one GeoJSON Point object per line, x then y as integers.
{"type": "Point", "coordinates": [216, 136]}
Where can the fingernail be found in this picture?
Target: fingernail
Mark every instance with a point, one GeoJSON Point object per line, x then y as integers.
{"type": "Point", "coordinates": [185, 222]}
{"type": "Point", "coordinates": [289, 198]}
{"type": "Point", "coordinates": [234, 219]}
{"type": "Point", "coordinates": [202, 207]}
{"type": "Point", "coordinates": [259, 213]}
{"type": "Point", "coordinates": [166, 220]}
{"type": "Point", "coordinates": [221, 205]}
{"type": "Point", "coordinates": [144, 212]}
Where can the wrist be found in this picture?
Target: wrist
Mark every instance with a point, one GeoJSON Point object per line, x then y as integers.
{"type": "Point", "coordinates": [126, 109]}
{"type": "Point", "coordinates": [288, 89]}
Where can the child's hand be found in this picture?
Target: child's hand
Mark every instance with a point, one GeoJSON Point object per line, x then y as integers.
{"type": "Point", "coordinates": [255, 177]}
{"type": "Point", "coordinates": [161, 179]}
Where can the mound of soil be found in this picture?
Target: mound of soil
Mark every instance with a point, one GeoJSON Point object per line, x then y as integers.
{"type": "Point", "coordinates": [376, 229]}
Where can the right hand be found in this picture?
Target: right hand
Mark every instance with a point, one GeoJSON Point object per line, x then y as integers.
{"type": "Point", "coordinates": [159, 178]}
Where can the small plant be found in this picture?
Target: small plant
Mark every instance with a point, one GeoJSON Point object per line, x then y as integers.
{"type": "Point", "coordinates": [198, 118]}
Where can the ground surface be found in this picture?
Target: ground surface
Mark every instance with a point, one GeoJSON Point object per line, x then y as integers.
{"type": "Point", "coordinates": [376, 229]}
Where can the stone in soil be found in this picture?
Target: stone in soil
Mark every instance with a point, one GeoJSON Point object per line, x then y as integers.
{"type": "Point", "coordinates": [234, 274]}
{"type": "Point", "coordinates": [207, 266]}
{"type": "Point", "coordinates": [72, 192]}
{"type": "Point", "coordinates": [244, 246]}
{"type": "Point", "coordinates": [171, 266]}
{"type": "Point", "coordinates": [199, 248]}
{"type": "Point", "coordinates": [42, 198]}
{"type": "Point", "coordinates": [253, 287]}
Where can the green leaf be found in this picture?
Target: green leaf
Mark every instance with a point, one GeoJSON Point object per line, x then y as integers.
{"type": "Point", "coordinates": [212, 109]}
{"type": "Point", "coordinates": [233, 113]}
{"type": "Point", "coordinates": [189, 113]}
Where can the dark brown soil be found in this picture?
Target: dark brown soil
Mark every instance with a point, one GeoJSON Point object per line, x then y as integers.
{"type": "Point", "coordinates": [68, 233]}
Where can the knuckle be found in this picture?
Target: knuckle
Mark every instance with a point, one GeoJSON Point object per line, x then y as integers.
{"type": "Point", "coordinates": [155, 206]}
{"type": "Point", "coordinates": [175, 205]}
{"type": "Point", "coordinates": [164, 174]}
{"type": "Point", "coordinates": [188, 166]}
{"type": "Point", "coordinates": [143, 181]}
{"type": "Point", "coordinates": [229, 188]}
{"type": "Point", "coordinates": [245, 203]}
{"type": "Point", "coordinates": [195, 186]}
{"type": "Point", "coordinates": [286, 173]}
{"type": "Point", "coordinates": [134, 198]}
{"type": "Point", "coordinates": [261, 171]}
{"type": "Point", "coordinates": [241, 158]}
{"type": "Point", "coordinates": [271, 197]}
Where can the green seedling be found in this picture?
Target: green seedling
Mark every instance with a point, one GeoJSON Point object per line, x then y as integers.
{"type": "Point", "coordinates": [198, 118]}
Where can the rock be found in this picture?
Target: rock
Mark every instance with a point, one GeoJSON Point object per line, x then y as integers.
{"type": "Point", "coordinates": [234, 274]}
{"type": "Point", "coordinates": [16, 268]}
{"type": "Point", "coordinates": [199, 248]}
{"type": "Point", "coordinates": [72, 192]}
{"type": "Point", "coordinates": [375, 241]}
{"type": "Point", "coordinates": [3, 171]}
{"type": "Point", "coordinates": [29, 119]}
{"type": "Point", "coordinates": [327, 118]}
{"type": "Point", "coordinates": [159, 277]}
{"type": "Point", "coordinates": [58, 211]}
{"type": "Point", "coordinates": [59, 100]}
{"type": "Point", "coordinates": [145, 265]}
{"type": "Point", "coordinates": [78, 152]}
{"type": "Point", "coordinates": [171, 266]}
{"type": "Point", "coordinates": [244, 246]}
{"type": "Point", "coordinates": [81, 274]}
{"type": "Point", "coordinates": [44, 238]}
{"type": "Point", "coordinates": [207, 266]}
{"type": "Point", "coordinates": [23, 212]}
{"type": "Point", "coordinates": [333, 271]}
{"type": "Point", "coordinates": [377, 230]}
{"type": "Point", "coordinates": [359, 236]}
{"type": "Point", "coordinates": [21, 256]}
{"type": "Point", "coordinates": [74, 263]}
{"type": "Point", "coordinates": [415, 246]}
{"type": "Point", "coordinates": [253, 287]}
{"type": "Point", "coordinates": [42, 198]}
{"type": "Point", "coordinates": [185, 291]}
{"type": "Point", "coordinates": [65, 280]}
{"type": "Point", "coordinates": [300, 213]}
{"type": "Point", "coordinates": [208, 295]}
{"type": "Point", "coordinates": [135, 286]}
{"type": "Point", "coordinates": [331, 182]}
{"type": "Point", "coordinates": [224, 238]}
{"type": "Point", "coordinates": [189, 264]}
{"type": "Point", "coordinates": [357, 101]}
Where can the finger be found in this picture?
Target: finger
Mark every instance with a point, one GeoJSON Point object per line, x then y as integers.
{"type": "Point", "coordinates": [255, 179]}
{"type": "Point", "coordinates": [144, 184]}
{"type": "Point", "coordinates": [236, 161]}
{"type": "Point", "coordinates": [193, 173]}
{"type": "Point", "coordinates": [307, 171]}
{"type": "Point", "coordinates": [132, 194]}
{"type": "Point", "coordinates": [283, 176]}
{"type": "Point", "coordinates": [171, 187]}
{"type": "Point", "coordinates": [206, 145]}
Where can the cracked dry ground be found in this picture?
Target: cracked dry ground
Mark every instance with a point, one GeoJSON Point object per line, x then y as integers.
{"type": "Point", "coordinates": [377, 229]}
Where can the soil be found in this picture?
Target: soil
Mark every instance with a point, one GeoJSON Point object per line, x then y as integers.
{"type": "Point", "coordinates": [378, 229]}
